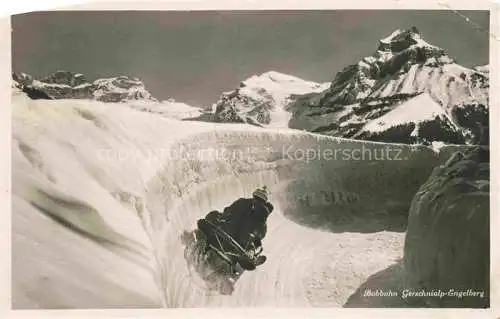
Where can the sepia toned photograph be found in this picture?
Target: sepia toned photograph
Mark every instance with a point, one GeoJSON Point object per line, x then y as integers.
{"type": "Point", "coordinates": [236, 159]}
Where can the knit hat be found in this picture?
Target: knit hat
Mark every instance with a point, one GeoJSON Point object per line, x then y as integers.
{"type": "Point", "coordinates": [261, 193]}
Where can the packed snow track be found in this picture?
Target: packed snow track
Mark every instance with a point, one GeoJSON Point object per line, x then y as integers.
{"type": "Point", "coordinates": [101, 193]}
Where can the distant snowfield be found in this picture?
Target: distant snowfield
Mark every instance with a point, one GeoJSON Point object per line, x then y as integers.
{"type": "Point", "coordinates": [416, 110]}
{"type": "Point", "coordinates": [101, 193]}
{"type": "Point", "coordinates": [169, 109]}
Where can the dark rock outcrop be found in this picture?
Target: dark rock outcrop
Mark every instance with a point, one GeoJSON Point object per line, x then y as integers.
{"type": "Point", "coordinates": [65, 78]}
{"type": "Point", "coordinates": [35, 94]}
{"type": "Point", "coordinates": [22, 79]}
{"type": "Point", "coordinates": [447, 244]}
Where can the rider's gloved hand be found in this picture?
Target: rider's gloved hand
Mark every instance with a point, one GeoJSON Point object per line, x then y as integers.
{"type": "Point", "coordinates": [257, 242]}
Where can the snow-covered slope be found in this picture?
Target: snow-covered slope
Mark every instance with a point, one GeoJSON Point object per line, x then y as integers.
{"type": "Point", "coordinates": [102, 192]}
{"type": "Point", "coordinates": [168, 108]}
{"type": "Point", "coordinates": [67, 85]}
{"type": "Point", "coordinates": [403, 67]}
{"type": "Point", "coordinates": [485, 69]}
{"type": "Point", "coordinates": [263, 99]}
{"type": "Point", "coordinates": [418, 120]}
{"type": "Point", "coordinates": [407, 112]}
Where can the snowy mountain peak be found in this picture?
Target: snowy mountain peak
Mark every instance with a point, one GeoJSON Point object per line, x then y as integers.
{"type": "Point", "coordinates": [274, 76]}
{"type": "Point", "coordinates": [121, 88]}
{"type": "Point", "coordinates": [262, 99]}
{"type": "Point", "coordinates": [276, 81]}
{"type": "Point", "coordinates": [395, 56]}
{"type": "Point", "coordinates": [398, 35]}
{"type": "Point", "coordinates": [400, 40]}
{"type": "Point", "coordinates": [404, 68]}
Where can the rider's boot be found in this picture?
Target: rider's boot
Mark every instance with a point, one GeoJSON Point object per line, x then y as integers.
{"type": "Point", "coordinates": [260, 260]}
{"type": "Point", "coordinates": [237, 270]}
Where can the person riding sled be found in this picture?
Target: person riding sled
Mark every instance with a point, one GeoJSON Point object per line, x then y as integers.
{"type": "Point", "coordinates": [227, 243]}
{"type": "Point", "coordinates": [245, 220]}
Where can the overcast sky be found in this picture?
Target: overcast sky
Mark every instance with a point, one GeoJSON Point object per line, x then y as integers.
{"type": "Point", "coordinates": [195, 56]}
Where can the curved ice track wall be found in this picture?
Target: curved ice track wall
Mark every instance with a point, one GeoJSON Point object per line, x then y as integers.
{"type": "Point", "coordinates": [96, 218]}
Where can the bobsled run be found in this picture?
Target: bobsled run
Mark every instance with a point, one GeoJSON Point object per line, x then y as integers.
{"type": "Point", "coordinates": [134, 225]}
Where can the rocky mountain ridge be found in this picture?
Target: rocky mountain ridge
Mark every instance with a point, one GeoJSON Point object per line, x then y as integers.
{"type": "Point", "coordinates": [68, 85]}
{"type": "Point", "coordinates": [448, 102]}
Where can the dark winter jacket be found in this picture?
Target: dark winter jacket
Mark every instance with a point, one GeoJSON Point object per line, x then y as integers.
{"type": "Point", "coordinates": [244, 217]}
